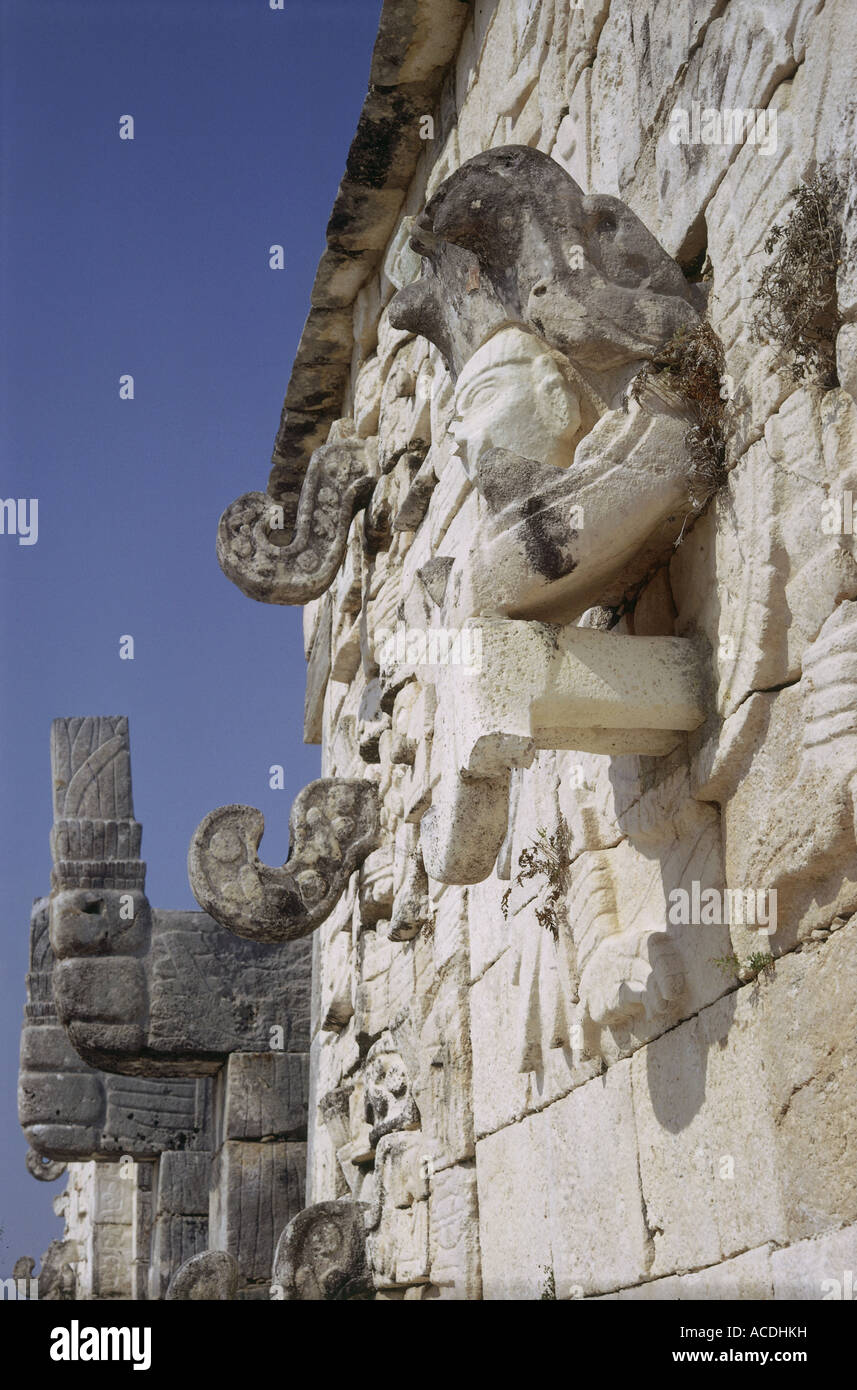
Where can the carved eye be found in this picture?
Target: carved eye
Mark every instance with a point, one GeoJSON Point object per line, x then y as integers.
{"type": "Point", "coordinates": [226, 846]}
{"type": "Point", "coordinates": [312, 886]}
{"type": "Point", "coordinates": [606, 223]}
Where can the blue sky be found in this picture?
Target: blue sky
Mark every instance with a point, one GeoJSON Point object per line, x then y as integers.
{"type": "Point", "coordinates": [150, 257]}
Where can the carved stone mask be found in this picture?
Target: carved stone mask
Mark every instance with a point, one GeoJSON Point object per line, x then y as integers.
{"type": "Point", "coordinates": [389, 1103]}
{"type": "Point", "coordinates": [99, 921]}
{"type": "Point", "coordinates": [513, 395]}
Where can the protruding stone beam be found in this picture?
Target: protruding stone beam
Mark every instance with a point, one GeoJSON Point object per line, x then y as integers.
{"type": "Point", "coordinates": [322, 1255]}
{"type": "Point", "coordinates": [143, 992]}
{"type": "Point", "coordinates": [277, 554]}
{"type": "Point", "coordinates": [333, 826]}
{"type": "Point", "coordinates": [511, 238]}
{"type": "Point", "coordinates": [543, 686]}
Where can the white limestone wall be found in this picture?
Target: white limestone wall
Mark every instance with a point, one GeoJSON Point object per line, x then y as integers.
{"type": "Point", "coordinates": [711, 1155]}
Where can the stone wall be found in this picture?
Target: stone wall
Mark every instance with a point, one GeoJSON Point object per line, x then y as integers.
{"type": "Point", "coordinates": [636, 1132]}
{"type": "Point", "coordinates": [579, 877]}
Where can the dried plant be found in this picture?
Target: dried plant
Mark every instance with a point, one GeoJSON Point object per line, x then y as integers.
{"type": "Point", "coordinates": [693, 366]}
{"type": "Point", "coordinates": [548, 857]}
{"type": "Point", "coordinates": [796, 295]}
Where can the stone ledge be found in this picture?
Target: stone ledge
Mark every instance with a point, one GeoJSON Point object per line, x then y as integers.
{"type": "Point", "coordinates": [417, 40]}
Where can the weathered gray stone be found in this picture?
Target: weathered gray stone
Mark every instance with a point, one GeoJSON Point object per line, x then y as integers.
{"type": "Point", "coordinates": [265, 1095]}
{"type": "Point", "coordinates": [332, 828]}
{"type": "Point", "coordinates": [256, 1190]}
{"type": "Point", "coordinates": [127, 980]}
{"type": "Point", "coordinates": [212, 1276]}
{"type": "Point", "coordinates": [321, 1255]}
{"type": "Point", "coordinates": [277, 558]}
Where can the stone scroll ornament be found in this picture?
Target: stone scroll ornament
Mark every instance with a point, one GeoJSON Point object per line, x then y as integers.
{"type": "Point", "coordinates": [322, 1255]}
{"type": "Point", "coordinates": [279, 554]}
{"type": "Point", "coordinates": [332, 828]}
{"type": "Point", "coordinates": [139, 991]}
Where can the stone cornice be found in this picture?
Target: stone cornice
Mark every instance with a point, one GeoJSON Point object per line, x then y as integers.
{"type": "Point", "coordinates": [417, 40]}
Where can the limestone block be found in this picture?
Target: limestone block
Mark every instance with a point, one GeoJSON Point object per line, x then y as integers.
{"type": "Point", "coordinates": [782, 776]}
{"type": "Point", "coordinates": [644, 951]}
{"type": "Point", "coordinates": [442, 1069]}
{"type": "Point", "coordinates": [454, 1233]}
{"type": "Point", "coordinates": [266, 1095]}
{"type": "Point", "coordinates": [111, 1261]}
{"type": "Point", "coordinates": [706, 1143]}
{"type": "Point", "coordinates": [757, 39]}
{"type": "Point", "coordinates": [311, 614]}
{"type": "Point", "coordinates": [256, 1190]}
{"type": "Point", "coordinates": [374, 959]}
{"type": "Point", "coordinates": [367, 398]}
{"type": "Point", "coordinates": [573, 138]}
{"type": "Point", "coordinates": [183, 1182]}
{"type": "Point", "coordinates": [539, 686]}
{"type": "Point", "coordinates": [175, 1240]}
{"type": "Point", "coordinates": [598, 1233]}
{"type": "Point", "coordinates": [514, 1224]}
{"type": "Point", "coordinates": [823, 1268]}
{"type": "Point", "coordinates": [519, 1062]}
{"type": "Point", "coordinates": [398, 1228]}
{"type": "Point", "coordinates": [740, 1114]}
{"type": "Point", "coordinates": [450, 935]}
{"type": "Point", "coordinates": [113, 1194]}
{"type": "Point", "coordinates": [587, 799]}
{"type": "Point", "coordinates": [748, 1276]}
{"type": "Point", "coordinates": [367, 309]}
{"type": "Point", "coordinates": [809, 1026]}
{"type": "Point", "coordinates": [337, 984]}
{"type": "Point", "coordinates": [489, 929]}
{"type": "Point", "coordinates": [447, 500]}
{"type": "Point", "coordinates": [777, 575]}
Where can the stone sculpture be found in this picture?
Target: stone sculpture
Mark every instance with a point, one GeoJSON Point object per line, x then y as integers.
{"type": "Point", "coordinates": [281, 552]}
{"type": "Point", "coordinates": [211, 1277]}
{"type": "Point", "coordinates": [140, 991]}
{"type": "Point", "coordinates": [544, 303]}
{"type": "Point", "coordinates": [70, 1111]}
{"type": "Point", "coordinates": [332, 828]}
{"type": "Point", "coordinates": [321, 1255]}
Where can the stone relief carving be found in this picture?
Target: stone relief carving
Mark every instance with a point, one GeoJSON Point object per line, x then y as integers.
{"type": "Point", "coordinates": [279, 552]}
{"type": "Point", "coordinates": [544, 304]}
{"type": "Point", "coordinates": [321, 1255]}
{"type": "Point", "coordinates": [783, 771]}
{"type": "Point", "coordinates": [139, 991]}
{"type": "Point", "coordinates": [332, 828]}
{"type": "Point", "coordinates": [389, 1104]}
{"type": "Point", "coordinates": [211, 1276]}
{"type": "Point", "coordinates": [71, 1112]}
